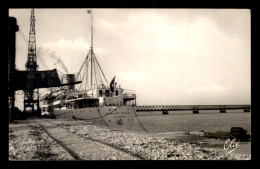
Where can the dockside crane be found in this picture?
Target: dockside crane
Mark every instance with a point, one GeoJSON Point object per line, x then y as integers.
{"type": "Point", "coordinates": [31, 96]}
{"type": "Point", "coordinates": [31, 79]}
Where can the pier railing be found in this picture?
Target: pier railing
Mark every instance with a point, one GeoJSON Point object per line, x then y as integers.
{"type": "Point", "coordinates": [191, 107]}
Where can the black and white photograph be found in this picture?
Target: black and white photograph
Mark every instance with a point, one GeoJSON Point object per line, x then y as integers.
{"type": "Point", "coordinates": [114, 84]}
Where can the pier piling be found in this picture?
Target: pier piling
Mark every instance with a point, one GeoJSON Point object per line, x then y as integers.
{"type": "Point", "coordinates": [222, 111]}
{"type": "Point", "coordinates": [164, 112]}
{"type": "Point", "coordinates": [195, 111]}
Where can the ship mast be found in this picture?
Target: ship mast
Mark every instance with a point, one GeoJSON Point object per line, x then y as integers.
{"type": "Point", "coordinates": [91, 65]}
{"type": "Point", "coordinates": [91, 47]}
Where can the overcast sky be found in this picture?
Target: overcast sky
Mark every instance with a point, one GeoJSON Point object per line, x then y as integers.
{"type": "Point", "coordinates": [168, 56]}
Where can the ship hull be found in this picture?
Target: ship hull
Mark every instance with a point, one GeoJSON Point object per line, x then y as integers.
{"type": "Point", "coordinates": [119, 117]}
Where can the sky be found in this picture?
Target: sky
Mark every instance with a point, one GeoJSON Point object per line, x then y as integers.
{"type": "Point", "coordinates": [168, 56]}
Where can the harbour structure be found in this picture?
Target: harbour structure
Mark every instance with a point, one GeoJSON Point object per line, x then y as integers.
{"type": "Point", "coordinates": [12, 29]}
{"type": "Point", "coordinates": [194, 108]}
{"type": "Point", "coordinates": [31, 96]}
{"type": "Point", "coordinates": [30, 79]}
{"type": "Point", "coordinates": [37, 79]}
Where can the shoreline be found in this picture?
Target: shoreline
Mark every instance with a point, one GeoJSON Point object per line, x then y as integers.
{"type": "Point", "coordinates": [148, 146]}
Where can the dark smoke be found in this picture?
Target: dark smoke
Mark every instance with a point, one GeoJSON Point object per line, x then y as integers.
{"type": "Point", "coordinates": [52, 54]}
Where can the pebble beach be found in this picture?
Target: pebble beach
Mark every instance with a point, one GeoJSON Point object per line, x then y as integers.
{"type": "Point", "coordinates": [29, 142]}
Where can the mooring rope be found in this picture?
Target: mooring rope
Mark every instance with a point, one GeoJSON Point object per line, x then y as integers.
{"type": "Point", "coordinates": [93, 118]}
{"type": "Point", "coordinates": [140, 122]}
{"type": "Point", "coordinates": [101, 116]}
{"type": "Point", "coordinates": [106, 115]}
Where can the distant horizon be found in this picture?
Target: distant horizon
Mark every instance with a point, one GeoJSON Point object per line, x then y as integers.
{"type": "Point", "coordinates": [168, 56]}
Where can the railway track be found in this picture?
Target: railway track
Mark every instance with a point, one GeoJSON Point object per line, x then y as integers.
{"type": "Point", "coordinates": [82, 148]}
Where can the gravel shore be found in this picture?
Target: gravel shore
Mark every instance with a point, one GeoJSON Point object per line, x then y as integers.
{"type": "Point", "coordinates": [29, 142]}
{"type": "Point", "coordinates": [150, 148]}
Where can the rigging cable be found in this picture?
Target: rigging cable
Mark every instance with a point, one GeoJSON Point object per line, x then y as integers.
{"type": "Point", "coordinates": [83, 50]}
{"type": "Point", "coordinates": [140, 122]}
{"type": "Point", "coordinates": [100, 69]}
{"type": "Point", "coordinates": [100, 76]}
{"type": "Point", "coordinates": [95, 58]}
{"type": "Point", "coordinates": [36, 52]}
{"type": "Point", "coordinates": [25, 39]}
{"type": "Point", "coordinates": [93, 118]}
{"type": "Point", "coordinates": [87, 76]}
{"type": "Point", "coordinates": [27, 42]}
{"type": "Point", "coordinates": [40, 59]}
{"type": "Point", "coordinates": [85, 61]}
{"type": "Point", "coordinates": [82, 79]}
{"type": "Point", "coordinates": [94, 65]}
{"type": "Point", "coordinates": [138, 118]}
{"type": "Point", "coordinates": [107, 63]}
{"type": "Point", "coordinates": [101, 116]}
{"type": "Point", "coordinates": [98, 73]}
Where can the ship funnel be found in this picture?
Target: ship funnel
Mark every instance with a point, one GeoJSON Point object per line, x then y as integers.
{"type": "Point", "coordinates": [69, 78]}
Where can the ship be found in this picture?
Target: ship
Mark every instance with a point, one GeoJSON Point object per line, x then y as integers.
{"type": "Point", "coordinates": [95, 100]}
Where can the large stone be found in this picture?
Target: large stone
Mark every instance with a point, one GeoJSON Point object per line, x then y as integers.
{"type": "Point", "coordinates": [238, 130]}
{"type": "Point", "coordinates": [221, 135]}
{"type": "Point", "coordinates": [241, 137]}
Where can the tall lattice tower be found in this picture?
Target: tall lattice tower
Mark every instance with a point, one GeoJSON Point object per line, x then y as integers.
{"type": "Point", "coordinates": [31, 96]}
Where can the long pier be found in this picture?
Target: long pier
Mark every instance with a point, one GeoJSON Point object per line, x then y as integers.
{"type": "Point", "coordinates": [194, 108]}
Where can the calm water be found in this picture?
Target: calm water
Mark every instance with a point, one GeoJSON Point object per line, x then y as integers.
{"type": "Point", "coordinates": [209, 121]}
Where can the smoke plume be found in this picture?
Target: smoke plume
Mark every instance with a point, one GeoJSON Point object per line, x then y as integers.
{"type": "Point", "coordinates": [52, 55]}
